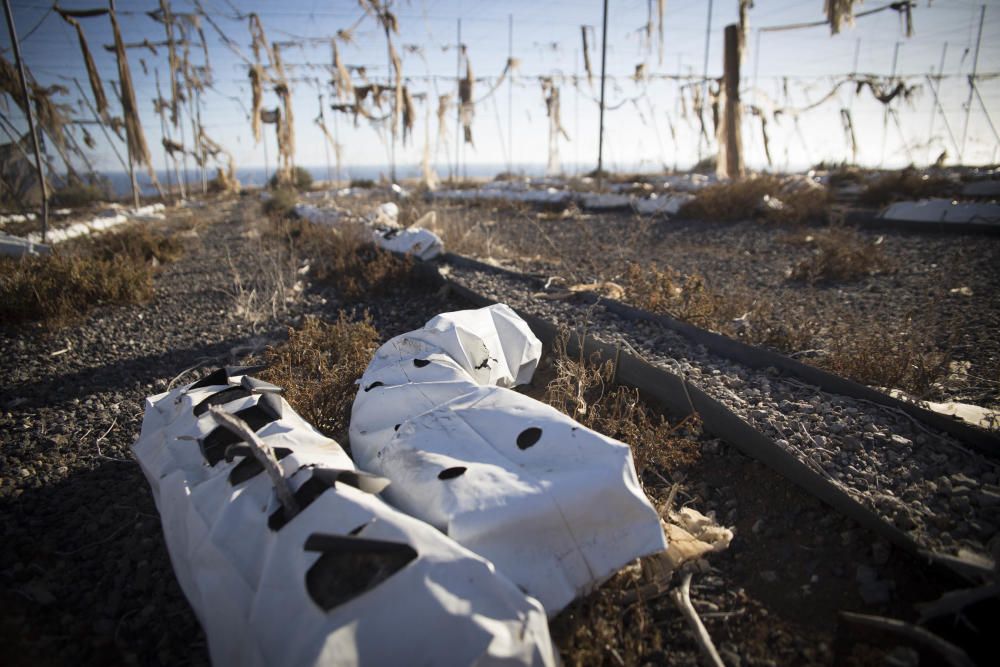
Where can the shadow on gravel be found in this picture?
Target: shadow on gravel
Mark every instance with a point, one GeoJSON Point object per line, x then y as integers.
{"type": "Point", "coordinates": [132, 374]}
{"type": "Point", "coordinates": [86, 578]}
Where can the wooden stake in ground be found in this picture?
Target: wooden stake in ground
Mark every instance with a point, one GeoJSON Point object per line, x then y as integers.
{"type": "Point", "coordinates": [30, 116]}
{"type": "Point", "coordinates": [730, 160]}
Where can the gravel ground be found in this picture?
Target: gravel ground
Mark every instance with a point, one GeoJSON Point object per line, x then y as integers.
{"type": "Point", "coordinates": [85, 573]}
{"type": "Point", "coordinates": [924, 482]}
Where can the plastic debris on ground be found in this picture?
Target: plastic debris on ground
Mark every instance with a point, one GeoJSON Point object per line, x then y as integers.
{"type": "Point", "coordinates": [111, 217]}
{"type": "Point", "coordinates": [317, 215]}
{"type": "Point", "coordinates": [416, 241]}
{"type": "Point", "coordinates": [345, 580]}
{"type": "Point", "coordinates": [943, 210]}
{"type": "Point", "coordinates": [555, 506]}
{"type": "Point", "coordinates": [15, 246]}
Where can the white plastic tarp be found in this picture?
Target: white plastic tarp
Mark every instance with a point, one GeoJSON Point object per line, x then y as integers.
{"type": "Point", "coordinates": [348, 580]}
{"type": "Point", "coordinates": [943, 210]}
{"type": "Point", "coordinates": [15, 246]}
{"type": "Point", "coordinates": [417, 241]}
{"type": "Point", "coordinates": [555, 506]}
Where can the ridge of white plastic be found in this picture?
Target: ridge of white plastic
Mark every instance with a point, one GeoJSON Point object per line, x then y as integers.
{"type": "Point", "coordinates": [556, 507]}
{"type": "Point", "coordinates": [247, 583]}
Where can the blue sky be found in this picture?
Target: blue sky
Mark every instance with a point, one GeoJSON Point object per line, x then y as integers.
{"type": "Point", "coordinates": [792, 69]}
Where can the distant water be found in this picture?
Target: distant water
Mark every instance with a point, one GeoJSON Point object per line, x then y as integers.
{"type": "Point", "coordinates": [257, 176]}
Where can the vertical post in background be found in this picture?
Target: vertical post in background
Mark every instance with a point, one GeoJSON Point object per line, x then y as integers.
{"type": "Point", "coordinates": [395, 112]}
{"type": "Point", "coordinates": [201, 145]}
{"type": "Point", "coordinates": [458, 98]}
{"type": "Point", "coordinates": [510, 95]}
{"type": "Point", "coordinates": [267, 169]}
{"type": "Point", "coordinates": [31, 118]}
{"type": "Point", "coordinates": [326, 143]}
{"type": "Point", "coordinates": [972, 83]}
{"type": "Point", "coordinates": [885, 110]}
{"type": "Point", "coordinates": [704, 76]}
{"type": "Point", "coordinates": [600, 132]}
{"type": "Point", "coordinates": [731, 150]}
{"type": "Point", "coordinates": [930, 127]}
{"type": "Point", "coordinates": [163, 131]}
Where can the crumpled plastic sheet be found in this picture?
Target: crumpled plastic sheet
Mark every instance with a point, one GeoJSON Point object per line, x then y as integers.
{"type": "Point", "coordinates": [348, 580]}
{"type": "Point", "coordinates": [943, 210]}
{"type": "Point", "coordinates": [416, 241]}
{"type": "Point", "coordinates": [555, 506]}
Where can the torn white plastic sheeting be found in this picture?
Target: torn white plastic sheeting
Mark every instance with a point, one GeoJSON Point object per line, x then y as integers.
{"type": "Point", "coordinates": [555, 506]}
{"type": "Point", "coordinates": [984, 188]}
{"type": "Point", "coordinates": [943, 210]}
{"type": "Point", "coordinates": [346, 580]}
{"type": "Point", "coordinates": [421, 243]}
{"type": "Point", "coordinates": [547, 196]}
{"type": "Point", "coordinates": [15, 246]}
{"type": "Point", "coordinates": [605, 202]}
{"type": "Point", "coordinates": [17, 217]}
{"type": "Point", "coordinates": [387, 215]}
{"type": "Point", "coordinates": [327, 217]}
{"type": "Point", "coordinates": [112, 217]}
{"type": "Point", "coordinates": [662, 204]}
{"type": "Point", "coordinates": [148, 213]}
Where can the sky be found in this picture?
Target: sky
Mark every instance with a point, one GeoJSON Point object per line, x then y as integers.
{"type": "Point", "coordinates": [647, 125]}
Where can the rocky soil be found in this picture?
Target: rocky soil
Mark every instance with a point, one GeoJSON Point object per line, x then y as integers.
{"type": "Point", "coordinates": [86, 578]}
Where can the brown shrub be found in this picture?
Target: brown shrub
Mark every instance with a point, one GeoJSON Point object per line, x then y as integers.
{"type": "Point", "coordinates": [908, 361]}
{"type": "Point", "coordinates": [687, 298]}
{"type": "Point", "coordinates": [139, 243]}
{"type": "Point", "coordinates": [318, 367]}
{"type": "Point", "coordinates": [60, 288]}
{"type": "Point", "coordinates": [839, 255]}
{"type": "Point", "coordinates": [585, 390]}
{"type": "Point", "coordinates": [741, 200]}
{"type": "Point", "coordinates": [346, 258]}
{"type": "Point", "coordinates": [281, 203]}
{"type": "Point", "coordinates": [905, 184]}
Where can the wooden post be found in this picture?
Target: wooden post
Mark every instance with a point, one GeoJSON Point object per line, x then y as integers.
{"type": "Point", "coordinates": [31, 117]}
{"type": "Point", "coordinates": [600, 132]}
{"type": "Point", "coordinates": [730, 160]}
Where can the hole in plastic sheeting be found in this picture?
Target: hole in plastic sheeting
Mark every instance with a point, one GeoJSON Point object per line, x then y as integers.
{"type": "Point", "coordinates": [373, 385]}
{"type": "Point", "coordinates": [351, 566]}
{"type": "Point", "coordinates": [528, 437]}
{"type": "Point", "coordinates": [452, 473]}
{"type": "Point", "coordinates": [396, 427]}
{"type": "Point", "coordinates": [484, 364]}
{"type": "Point", "coordinates": [250, 467]}
{"type": "Point", "coordinates": [310, 490]}
{"type": "Point", "coordinates": [220, 398]}
{"type": "Point", "coordinates": [391, 234]}
{"type": "Point", "coordinates": [356, 531]}
{"type": "Point", "coordinates": [420, 363]}
{"type": "Point", "coordinates": [213, 447]}
{"type": "Point", "coordinates": [218, 376]}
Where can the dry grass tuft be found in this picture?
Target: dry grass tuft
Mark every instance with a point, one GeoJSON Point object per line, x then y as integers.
{"type": "Point", "coordinates": [741, 200]}
{"type": "Point", "coordinates": [667, 292]}
{"type": "Point", "coordinates": [585, 390]}
{"type": "Point", "coordinates": [902, 185]}
{"type": "Point", "coordinates": [139, 243]}
{"type": "Point", "coordinates": [908, 362]}
{"type": "Point", "coordinates": [281, 203]}
{"type": "Point", "coordinates": [318, 367]}
{"type": "Point", "coordinates": [839, 255]}
{"type": "Point", "coordinates": [346, 258]}
{"type": "Point", "coordinates": [60, 288]}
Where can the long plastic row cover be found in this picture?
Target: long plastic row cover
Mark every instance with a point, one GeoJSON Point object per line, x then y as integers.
{"type": "Point", "coordinates": [555, 506]}
{"type": "Point", "coordinates": [347, 580]}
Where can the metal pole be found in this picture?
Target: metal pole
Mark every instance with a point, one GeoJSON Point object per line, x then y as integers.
{"type": "Point", "coordinates": [510, 95]}
{"type": "Point", "coordinates": [930, 128]}
{"type": "Point", "coordinates": [704, 75]}
{"type": "Point", "coordinates": [972, 84]}
{"type": "Point", "coordinates": [458, 99]}
{"type": "Point", "coordinates": [395, 110]}
{"type": "Point", "coordinates": [31, 118]}
{"type": "Point", "coordinates": [163, 130]}
{"type": "Point", "coordinates": [326, 142]}
{"type": "Point", "coordinates": [885, 111]}
{"type": "Point", "coordinates": [267, 169]}
{"type": "Point", "coordinates": [600, 133]}
{"type": "Point", "coordinates": [104, 129]}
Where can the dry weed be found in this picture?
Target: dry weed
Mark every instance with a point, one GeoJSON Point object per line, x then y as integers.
{"type": "Point", "coordinates": [137, 242]}
{"type": "Point", "coordinates": [318, 367]}
{"type": "Point", "coordinates": [60, 288]}
{"type": "Point", "coordinates": [688, 298]}
{"type": "Point", "coordinates": [839, 255]}
{"type": "Point", "coordinates": [905, 184]}
{"type": "Point", "coordinates": [741, 200]}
